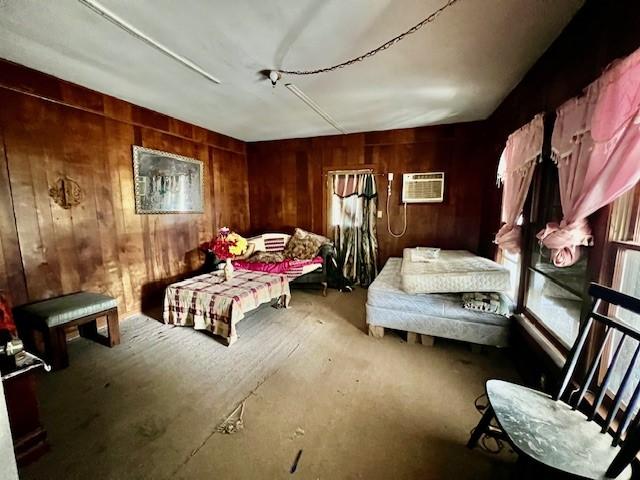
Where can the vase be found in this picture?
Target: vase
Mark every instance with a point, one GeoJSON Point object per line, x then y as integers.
{"type": "Point", "coordinates": [228, 270]}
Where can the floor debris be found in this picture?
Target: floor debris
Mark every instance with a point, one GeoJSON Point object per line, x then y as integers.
{"type": "Point", "coordinates": [294, 467]}
{"type": "Point", "coordinates": [234, 422]}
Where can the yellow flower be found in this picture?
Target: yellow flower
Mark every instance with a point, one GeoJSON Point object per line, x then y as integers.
{"type": "Point", "coordinates": [240, 244]}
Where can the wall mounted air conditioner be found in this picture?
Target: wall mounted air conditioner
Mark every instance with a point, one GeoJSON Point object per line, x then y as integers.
{"type": "Point", "coordinates": [423, 187]}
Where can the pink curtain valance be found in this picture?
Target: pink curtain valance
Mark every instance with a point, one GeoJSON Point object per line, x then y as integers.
{"type": "Point", "coordinates": [596, 144]}
{"type": "Point", "coordinates": [523, 148]}
{"type": "Point", "coordinates": [515, 171]}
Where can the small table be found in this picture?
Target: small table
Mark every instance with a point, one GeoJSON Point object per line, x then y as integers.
{"type": "Point", "coordinates": [209, 302]}
{"type": "Point", "coordinates": [29, 437]}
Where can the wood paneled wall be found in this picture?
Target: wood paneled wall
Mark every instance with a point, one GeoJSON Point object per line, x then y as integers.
{"type": "Point", "coordinates": [286, 182]}
{"type": "Point", "coordinates": [50, 128]}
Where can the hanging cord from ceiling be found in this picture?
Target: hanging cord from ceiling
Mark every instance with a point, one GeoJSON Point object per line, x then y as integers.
{"type": "Point", "coordinates": [371, 53]}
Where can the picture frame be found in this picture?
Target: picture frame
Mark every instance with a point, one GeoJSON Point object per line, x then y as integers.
{"type": "Point", "coordinates": [166, 183]}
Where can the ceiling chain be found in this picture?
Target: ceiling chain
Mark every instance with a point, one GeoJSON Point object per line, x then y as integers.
{"type": "Point", "coordinates": [382, 47]}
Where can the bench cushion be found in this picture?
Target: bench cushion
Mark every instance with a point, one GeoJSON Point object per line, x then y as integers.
{"type": "Point", "coordinates": [65, 309]}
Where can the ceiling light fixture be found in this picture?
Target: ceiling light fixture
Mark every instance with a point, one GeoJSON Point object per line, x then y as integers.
{"type": "Point", "coordinates": [314, 106]}
{"type": "Point", "coordinates": [134, 32]}
{"type": "Point", "coordinates": [274, 76]}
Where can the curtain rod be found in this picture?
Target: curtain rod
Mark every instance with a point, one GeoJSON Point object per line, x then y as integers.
{"type": "Point", "coordinates": [352, 172]}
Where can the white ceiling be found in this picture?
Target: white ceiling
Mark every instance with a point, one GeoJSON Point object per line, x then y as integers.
{"type": "Point", "coordinates": [458, 68]}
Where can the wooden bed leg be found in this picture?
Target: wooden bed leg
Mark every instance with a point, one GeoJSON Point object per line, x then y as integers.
{"type": "Point", "coordinates": [412, 337]}
{"type": "Point", "coordinates": [427, 340]}
{"type": "Point", "coordinates": [376, 331]}
{"type": "Point", "coordinates": [231, 340]}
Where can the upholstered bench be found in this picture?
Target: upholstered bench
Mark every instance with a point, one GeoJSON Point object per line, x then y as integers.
{"type": "Point", "coordinates": [51, 317]}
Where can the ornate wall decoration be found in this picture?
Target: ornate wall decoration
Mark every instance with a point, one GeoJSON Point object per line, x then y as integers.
{"type": "Point", "coordinates": [66, 192]}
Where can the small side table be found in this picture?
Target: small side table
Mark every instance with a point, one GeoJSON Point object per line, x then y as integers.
{"type": "Point", "coordinates": [29, 437]}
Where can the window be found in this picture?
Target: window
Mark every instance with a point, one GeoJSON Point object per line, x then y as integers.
{"type": "Point", "coordinates": [553, 296]}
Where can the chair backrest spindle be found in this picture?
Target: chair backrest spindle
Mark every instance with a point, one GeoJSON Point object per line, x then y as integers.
{"type": "Point", "coordinates": [595, 364]}
{"type": "Point", "coordinates": [621, 389]}
{"type": "Point", "coordinates": [607, 379]}
{"type": "Point", "coordinates": [628, 415]}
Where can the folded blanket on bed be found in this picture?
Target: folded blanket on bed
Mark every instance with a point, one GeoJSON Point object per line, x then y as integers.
{"type": "Point", "coordinates": [281, 267]}
{"type": "Point", "coordinates": [487, 302]}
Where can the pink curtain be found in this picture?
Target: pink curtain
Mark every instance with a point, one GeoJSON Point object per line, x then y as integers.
{"type": "Point", "coordinates": [596, 143]}
{"type": "Point", "coordinates": [515, 171]}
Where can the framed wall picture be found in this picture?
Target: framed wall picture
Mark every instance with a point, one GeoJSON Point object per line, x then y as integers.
{"type": "Point", "coordinates": [166, 182]}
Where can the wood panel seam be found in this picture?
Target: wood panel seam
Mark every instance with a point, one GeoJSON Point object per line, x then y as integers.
{"type": "Point", "coordinates": [132, 123]}
{"type": "Point", "coordinates": [13, 208]}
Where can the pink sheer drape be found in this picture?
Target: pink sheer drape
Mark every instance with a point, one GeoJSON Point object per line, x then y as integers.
{"type": "Point", "coordinates": [596, 143]}
{"type": "Point", "coordinates": [515, 171]}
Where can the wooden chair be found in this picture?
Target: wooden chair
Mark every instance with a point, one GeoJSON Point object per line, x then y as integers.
{"type": "Point", "coordinates": [548, 432]}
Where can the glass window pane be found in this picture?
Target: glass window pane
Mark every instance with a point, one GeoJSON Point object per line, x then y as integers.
{"type": "Point", "coordinates": [511, 261]}
{"type": "Point", "coordinates": [572, 278]}
{"type": "Point", "coordinates": [630, 284]}
{"type": "Point", "coordinates": [557, 308]}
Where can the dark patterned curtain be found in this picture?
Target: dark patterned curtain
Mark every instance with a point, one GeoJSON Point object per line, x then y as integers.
{"type": "Point", "coordinates": [354, 208]}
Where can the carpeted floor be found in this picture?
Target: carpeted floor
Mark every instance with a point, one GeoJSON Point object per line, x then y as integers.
{"type": "Point", "coordinates": [358, 407]}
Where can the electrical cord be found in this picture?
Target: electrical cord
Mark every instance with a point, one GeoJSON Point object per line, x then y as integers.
{"type": "Point", "coordinates": [404, 228]}
{"type": "Point", "coordinates": [382, 47]}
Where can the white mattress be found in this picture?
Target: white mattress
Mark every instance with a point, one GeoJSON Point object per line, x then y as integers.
{"type": "Point", "coordinates": [385, 293]}
{"type": "Point", "coordinates": [454, 271]}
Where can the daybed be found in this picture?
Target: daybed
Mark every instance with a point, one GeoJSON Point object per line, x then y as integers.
{"type": "Point", "coordinates": [299, 272]}
{"type": "Point", "coordinates": [433, 314]}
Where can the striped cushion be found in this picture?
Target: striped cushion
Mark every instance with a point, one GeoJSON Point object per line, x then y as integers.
{"type": "Point", "coordinates": [275, 242]}
{"type": "Point", "coordinates": [270, 242]}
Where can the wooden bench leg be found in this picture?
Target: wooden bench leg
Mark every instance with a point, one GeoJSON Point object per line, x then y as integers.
{"type": "Point", "coordinates": [56, 346]}
{"type": "Point", "coordinates": [376, 331]}
{"type": "Point", "coordinates": [113, 328]}
{"type": "Point", "coordinates": [89, 330]}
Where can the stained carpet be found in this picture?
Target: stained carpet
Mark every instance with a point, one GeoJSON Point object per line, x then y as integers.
{"type": "Point", "coordinates": [358, 407]}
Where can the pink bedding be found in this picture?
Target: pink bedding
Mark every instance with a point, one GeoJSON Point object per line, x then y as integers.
{"type": "Point", "coordinates": [281, 267]}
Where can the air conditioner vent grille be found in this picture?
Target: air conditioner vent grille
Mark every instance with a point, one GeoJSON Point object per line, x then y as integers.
{"type": "Point", "coordinates": [423, 187]}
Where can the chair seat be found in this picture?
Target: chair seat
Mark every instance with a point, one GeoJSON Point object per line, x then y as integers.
{"type": "Point", "coordinates": [551, 432]}
{"type": "Point", "coordinates": [61, 310]}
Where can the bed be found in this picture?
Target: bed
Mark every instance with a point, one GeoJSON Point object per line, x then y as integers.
{"type": "Point", "coordinates": [434, 314]}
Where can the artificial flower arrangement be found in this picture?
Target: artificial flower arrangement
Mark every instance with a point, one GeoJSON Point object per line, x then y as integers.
{"type": "Point", "coordinates": [226, 245]}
